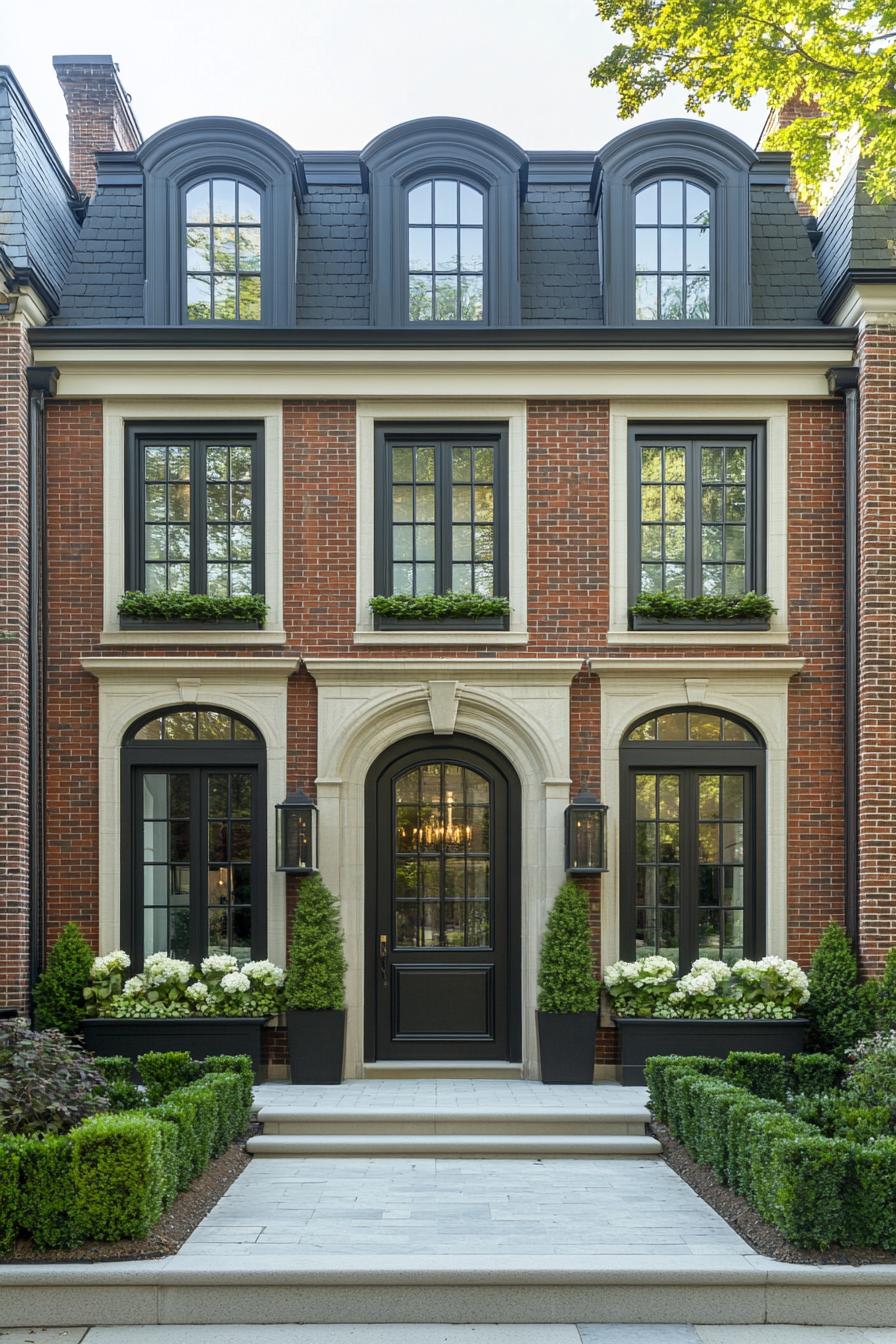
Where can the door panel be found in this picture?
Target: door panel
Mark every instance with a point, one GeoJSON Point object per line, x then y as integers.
{"type": "Point", "coordinates": [443, 891]}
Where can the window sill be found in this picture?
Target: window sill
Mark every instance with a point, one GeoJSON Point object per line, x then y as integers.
{"type": "Point", "coordinates": [191, 633]}
{"type": "Point", "coordinates": [415, 633]}
{"type": "Point", "coordinates": [667, 634]}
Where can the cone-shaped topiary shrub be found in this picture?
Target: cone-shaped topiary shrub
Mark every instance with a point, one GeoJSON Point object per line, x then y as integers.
{"type": "Point", "coordinates": [885, 999]}
{"type": "Point", "coordinates": [315, 975]}
{"type": "Point", "coordinates": [59, 992]}
{"type": "Point", "coordinates": [837, 1006]}
{"type": "Point", "coordinates": [566, 979]}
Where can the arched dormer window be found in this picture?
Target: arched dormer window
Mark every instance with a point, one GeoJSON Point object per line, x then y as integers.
{"type": "Point", "coordinates": [673, 199]}
{"type": "Point", "coordinates": [673, 253]}
{"type": "Point", "coordinates": [222, 197]}
{"type": "Point", "coordinates": [444, 211]}
{"type": "Point", "coordinates": [446, 231]}
{"type": "Point", "coordinates": [222, 251]}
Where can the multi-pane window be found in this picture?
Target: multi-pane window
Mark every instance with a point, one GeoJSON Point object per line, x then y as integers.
{"type": "Point", "coordinates": [196, 513]}
{"type": "Point", "coordinates": [692, 515]}
{"type": "Point", "coordinates": [691, 788]}
{"type": "Point", "coordinates": [441, 862]}
{"type": "Point", "coordinates": [673, 266]}
{"type": "Point", "coordinates": [446, 238]}
{"type": "Point", "coordinates": [442, 514]}
{"type": "Point", "coordinates": [194, 780]}
{"type": "Point", "coordinates": [222, 247]}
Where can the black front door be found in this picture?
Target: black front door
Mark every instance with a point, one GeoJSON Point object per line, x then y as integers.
{"type": "Point", "coordinates": [443, 903]}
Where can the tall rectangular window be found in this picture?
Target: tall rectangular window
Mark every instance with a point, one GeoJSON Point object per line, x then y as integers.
{"type": "Point", "coordinates": [441, 511]}
{"type": "Point", "coordinates": [195, 516]}
{"type": "Point", "coordinates": [696, 512]}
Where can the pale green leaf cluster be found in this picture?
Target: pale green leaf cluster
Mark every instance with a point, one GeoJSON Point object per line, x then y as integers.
{"type": "Point", "coordinates": [838, 54]}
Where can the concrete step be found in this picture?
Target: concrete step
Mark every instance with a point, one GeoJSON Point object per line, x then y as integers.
{"type": "Point", "coordinates": [427, 1068]}
{"type": "Point", "coordinates": [453, 1145]}
{"type": "Point", "coordinates": [590, 1121]}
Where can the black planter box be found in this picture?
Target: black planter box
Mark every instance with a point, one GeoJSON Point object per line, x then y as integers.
{"type": "Point", "coordinates": [642, 1037]}
{"type": "Point", "coordinates": [689, 623]}
{"type": "Point", "coordinates": [566, 1046]}
{"type": "Point", "coordinates": [200, 1036]}
{"type": "Point", "coordinates": [451, 623]}
{"type": "Point", "coordinates": [138, 623]}
{"type": "Point", "coordinates": [316, 1045]}
{"type": "Point", "coordinates": [8, 1012]}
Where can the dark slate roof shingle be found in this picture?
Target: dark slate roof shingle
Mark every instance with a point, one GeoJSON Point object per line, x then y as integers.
{"type": "Point", "coordinates": [784, 275]}
{"type": "Point", "coordinates": [559, 276]}
{"type": "Point", "coordinates": [104, 286]}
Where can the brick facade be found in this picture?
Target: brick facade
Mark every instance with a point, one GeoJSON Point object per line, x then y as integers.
{"type": "Point", "coordinates": [99, 114]}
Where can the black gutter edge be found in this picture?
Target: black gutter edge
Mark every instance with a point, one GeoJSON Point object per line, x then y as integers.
{"type": "Point", "coordinates": [409, 338]}
{"type": "Point", "coordinates": [42, 380]}
{"type": "Point", "coordinates": [844, 381]}
{"type": "Point", "coordinates": [870, 275]}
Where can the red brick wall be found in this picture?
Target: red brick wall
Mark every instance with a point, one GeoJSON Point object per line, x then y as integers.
{"type": "Point", "coordinates": [75, 616]}
{"type": "Point", "coordinates": [877, 646]}
{"type": "Point", "coordinates": [99, 116]}
{"type": "Point", "coordinates": [14, 705]}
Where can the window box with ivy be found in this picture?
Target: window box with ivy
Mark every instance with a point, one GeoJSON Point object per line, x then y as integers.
{"type": "Point", "coordinates": [658, 611]}
{"type": "Point", "coordinates": [186, 611]}
{"type": "Point", "coordinates": [442, 611]}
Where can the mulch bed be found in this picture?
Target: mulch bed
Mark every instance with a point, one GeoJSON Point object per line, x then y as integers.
{"type": "Point", "coordinates": [169, 1233]}
{"type": "Point", "coordinates": [741, 1215]}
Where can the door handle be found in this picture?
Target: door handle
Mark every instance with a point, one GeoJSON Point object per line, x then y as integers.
{"type": "Point", "coordinates": [383, 946]}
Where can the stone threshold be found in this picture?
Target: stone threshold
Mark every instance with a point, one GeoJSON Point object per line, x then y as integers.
{"type": "Point", "coordinates": [729, 1290]}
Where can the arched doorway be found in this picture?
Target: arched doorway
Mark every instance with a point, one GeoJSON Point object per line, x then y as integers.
{"type": "Point", "coordinates": [442, 902]}
{"type": "Point", "coordinates": [692, 837]}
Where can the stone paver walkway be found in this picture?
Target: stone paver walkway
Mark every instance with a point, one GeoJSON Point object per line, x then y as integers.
{"type": "Point", "coordinates": [300, 1208]}
{"type": "Point", "coordinates": [453, 1334]}
{"type": "Point", "coordinates": [449, 1094]}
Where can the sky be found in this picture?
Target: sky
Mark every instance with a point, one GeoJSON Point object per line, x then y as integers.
{"type": "Point", "coordinates": [331, 74]}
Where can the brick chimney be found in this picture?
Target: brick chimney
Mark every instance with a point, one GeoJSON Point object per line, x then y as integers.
{"type": "Point", "coordinates": [99, 114]}
{"type": "Point", "coordinates": [777, 119]}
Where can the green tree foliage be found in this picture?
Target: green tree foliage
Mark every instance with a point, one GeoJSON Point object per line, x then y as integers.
{"type": "Point", "coordinates": [885, 1005]}
{"type": "Point", "coordinates": [566, 979]}
{"type": "Point", "coordinates": [315, 975]}
{"type": "Point", "coordinates": [838, 54]}
{"type": "Point", "coordinates": [836, 1004]}
{"type": "Point", "coordinates": [59, 992]}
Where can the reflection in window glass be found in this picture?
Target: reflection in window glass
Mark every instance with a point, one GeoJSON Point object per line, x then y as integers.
{"type": "Point", "coordinates": [446, 237]}
{"type": "Point", "coordinates": [672, 252]}
{"type": "Point", "coordinates": [223, 251]}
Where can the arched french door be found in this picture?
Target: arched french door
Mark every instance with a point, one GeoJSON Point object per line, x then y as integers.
{"type": "Point", "coordinates": [692, 835]}
{"type": "Point", "coordinates": [442, 897]}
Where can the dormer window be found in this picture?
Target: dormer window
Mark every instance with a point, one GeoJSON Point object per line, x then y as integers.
{"type": "Point", "coordinates": [223, 251]}
{"type": "Point", "coordinates": [445, 252]}
{"type": "Point", "coordinates": [672, 252]}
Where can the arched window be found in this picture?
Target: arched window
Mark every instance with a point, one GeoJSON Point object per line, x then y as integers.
{"type": "Point", "coordinates": [446, 235]}
{"type": "Point", "coordinates": [692, 837]}
{"type": "Point", "coordinates": [222, 250]}
{"type": "Point", "coordinates": [193, 783]}
{"type": "Point", "coordinates": [673, 257]}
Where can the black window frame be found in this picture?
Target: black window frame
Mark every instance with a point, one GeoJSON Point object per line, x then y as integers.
{"type": "Point", "coordinates": [688, 757]}
{"type": "Point", "coordinates": [201, 435]}
{"type": "Point", "coordinates": [686, 178]}
{"type": "Point", "coordinates": [441, 435]}
{"type": "Point", "coordinates": [697, 434]}
{"type": "Point", "coordinates": [238, 178]}
{"type": "Point", "coordinates": [460, 179]}
{"type": "Point", "coordinates": [197, 758]}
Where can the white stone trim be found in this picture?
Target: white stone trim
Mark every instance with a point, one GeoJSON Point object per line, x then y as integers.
{"type": "Point", "coordinates": [130, 687]}
{"type": "Point", "coordinates": [116, 414]}
{"type": "Point", "coordinates": [519, 706]}
{"type": "Point", "coordinates": [511, 413]}
{"type": "Point", "coordinates": [757, 689]}
{"type": "Point", "coordinates": [774, 415]}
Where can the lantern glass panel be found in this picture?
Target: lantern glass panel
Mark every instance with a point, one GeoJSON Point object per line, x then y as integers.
{"type": "Point", "coordinates": [296, 838]}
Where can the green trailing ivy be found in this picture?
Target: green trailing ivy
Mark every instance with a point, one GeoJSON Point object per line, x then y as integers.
{"type": "Point", "coordinates": [198, 607]}
{"type": "Point", "coordinates": [315, 975]}
{"type": "Point", "coordinates": [59, 992]}
{"type": "Point", "coordinates": [566, 979]}
{"type": "Point", "coordinates": [671, 607]}
{"type": "Point", "coordinates": [439, 607]}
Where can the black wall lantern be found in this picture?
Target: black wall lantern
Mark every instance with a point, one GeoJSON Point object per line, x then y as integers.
{"type": "Point", "coordinates": [586, 834]}
{"type": "Point", "coordinates": [297, 834]}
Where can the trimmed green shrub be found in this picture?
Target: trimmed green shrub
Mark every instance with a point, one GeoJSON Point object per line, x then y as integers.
{"type": "Point", "coordinates": [740, 1112]}
{"type": "Point", "coordinates": [871, 1075]}
{"type": "Point", "coordinates": [870, 1197]}
{"type": "Point", "coordinates": [163, 1071]}
{"type": "Point", "coordinates": [9, 1190]}
{"type": "Point", "coordinates": [839, 1116]}
{"type": "Point", "coordinates": [118, 1176]}
{"type": "Point", "coordinates": [315, 976]}
{"type": "Point", "coordinates": [47, 1205]}
{"type": "Point", "coordinates": [438, 606]}
{"type": "Point", "coordinates": [815, 1072]}
{"type": "Point", "coordinates": [566, 979]}
{"type": "Point", "coordinates": [199, 607]}
{"type": "Point", "coordinates": [665, 606]}
{"type": "Point", "coordinates": [239, 1064]}
{"type": "Point", "coordinates": [227, 1098]}
{"type": "Point", "coordinates": [59, 992]}
{"type": "Point", "coordinates": [170, 1137]}
{"type": "Point", "coordinates": [114, 1068]}
{"type": "Point", "coordinates": [838, 1015]}
{"type": "Point", "coordinates": [47, 1083]}
{"type": "Point", "coordinates": [765, 1075]}
{"type": "Point", "coordinates": [760, 1132]}
{"type": "Point", "coordinates": [885, 1015]}
{"type": "Point", "coordinates": [799, 1179]}
{"type": "Point", "coordinates": [659, 1069]}
{"type": "Point", "coordinates": [716, 1099]}
{"type": "Point", "coordinates": [195, 1118]}
{"type": "Point", "coordinates": [125, 1097]}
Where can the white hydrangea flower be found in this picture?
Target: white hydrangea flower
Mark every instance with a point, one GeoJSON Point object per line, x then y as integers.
{"type": "Point", "coordinates": [219, 963]}
{"type": "Point", "coordinates": [111, 962]}
{"type": "Point", "coordinates": [264, 970]}
{"type": "Point", "coordinates": [198, 992]}
{"type": "Point", "coordinates": [697, 982]}
{"type": "Point", "coordinates": [134, 986]}
{"type": "Point", "coordinates": [719, 970]}
{"type": "Point", "coordinates": [160, 969]}
{"type": "Point", "coordinates": [236, 983]}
